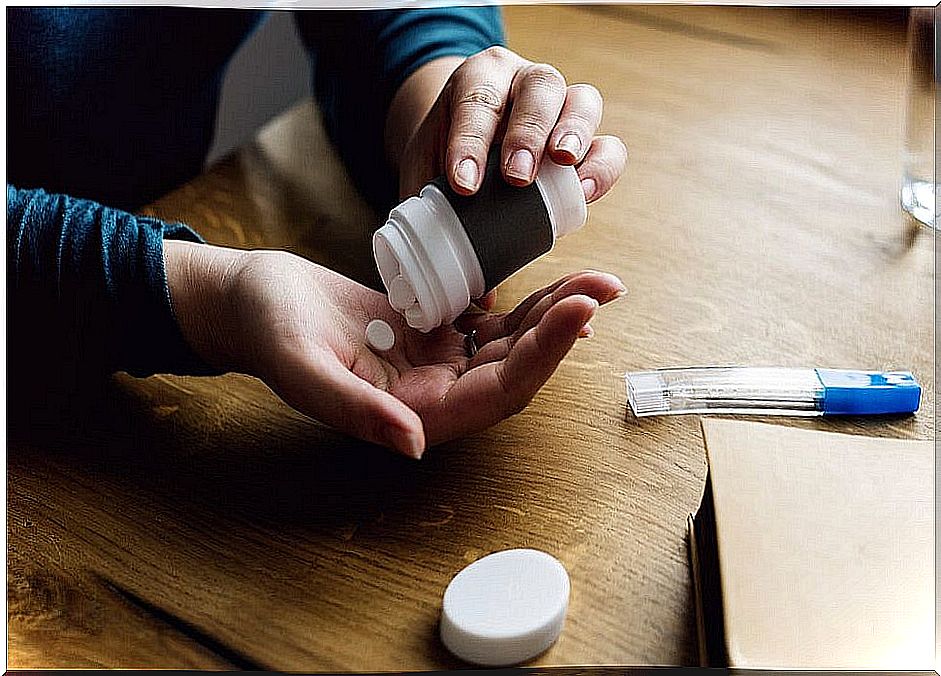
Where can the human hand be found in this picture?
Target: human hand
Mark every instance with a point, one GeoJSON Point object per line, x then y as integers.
{"type": "Point", "coordinates": [300, 328]}
{"type": "Point", "coordinates": [497, 96]}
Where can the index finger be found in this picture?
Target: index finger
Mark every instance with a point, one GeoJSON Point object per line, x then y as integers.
{"type": "Point", "coordinates": [477, 94]}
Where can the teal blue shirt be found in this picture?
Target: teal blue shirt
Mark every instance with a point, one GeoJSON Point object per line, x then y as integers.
{"type": "Point", "coordinates": [109, 108]}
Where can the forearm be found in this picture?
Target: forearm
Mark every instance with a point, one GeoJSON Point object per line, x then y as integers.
{"type": "Point", "coordinates": [87, 289]}
{"type": "Point", "coordinates": [362, 59]}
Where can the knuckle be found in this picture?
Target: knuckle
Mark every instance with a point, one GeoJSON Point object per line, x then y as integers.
{"type": "Point", "coordinates": [471, 133]}
{"type": "Point", "coordinates": [471, 143]}
{"type": "Point", "coordinates": [606, 171]}
{"type": "Point", "coordinates": [471, 137]}
{"type": "Point", "coordinates": [580, 121]}
{"type": "Point", "coordinates": [545, 76]}
{"type": "Point", "coordinates": [607, 174]}
{"type": "Point", "coordinates": [482, 95]}
{"type": "Point", "coordinates": [496, 52]}
{"type": "Point", "coordinates": [588, 92]}
{"type": "Point", "coordinates": [609, 157]}
{"type": "Point", "coordinates": [529, 126]}
{"type": "Point", "coordinates": [584, 110]}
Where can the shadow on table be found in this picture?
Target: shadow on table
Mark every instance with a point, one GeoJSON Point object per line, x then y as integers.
{"type": "Point", "coordinates": [238, 448]}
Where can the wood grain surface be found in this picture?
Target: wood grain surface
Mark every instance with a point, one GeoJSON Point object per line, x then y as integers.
{"type": "Point", "coordinates": [202, 523]}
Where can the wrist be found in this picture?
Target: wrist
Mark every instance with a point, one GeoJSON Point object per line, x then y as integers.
{"type": "Point", "coordinates": [412, 102]}
{"type": "Point", "coordinates": [196, 278]}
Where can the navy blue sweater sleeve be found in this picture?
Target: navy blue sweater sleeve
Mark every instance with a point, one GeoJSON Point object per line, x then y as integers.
{"type": "Point", "coordinates": [360, 58]}
{"type": "Point", "coordinates": [87, 288]}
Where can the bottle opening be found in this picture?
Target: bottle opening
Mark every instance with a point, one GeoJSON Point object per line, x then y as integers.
{"type": "Point", "coordinates": [426, 262]}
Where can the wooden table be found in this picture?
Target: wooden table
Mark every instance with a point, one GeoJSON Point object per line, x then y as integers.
{"type": "Point", "coordinates": [201, 523]}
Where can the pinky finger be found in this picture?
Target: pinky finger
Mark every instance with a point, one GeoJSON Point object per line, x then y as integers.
{"type": "Point", "coordinates": [602, 167]}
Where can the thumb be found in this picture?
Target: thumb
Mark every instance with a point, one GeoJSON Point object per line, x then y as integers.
{"type": "Point", "coordinates": [326, 390]}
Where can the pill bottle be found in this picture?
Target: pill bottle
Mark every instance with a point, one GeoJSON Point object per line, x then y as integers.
{"type": "Point", "coordinates": [439, 250]}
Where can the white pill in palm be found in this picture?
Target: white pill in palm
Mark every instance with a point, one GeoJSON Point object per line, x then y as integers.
{"type": "Point", "coordinates": [401, 294]}
{"type": "Point", "coordinates": [505, 608]}
{"type": "Point", "coordinates": [379, 335]}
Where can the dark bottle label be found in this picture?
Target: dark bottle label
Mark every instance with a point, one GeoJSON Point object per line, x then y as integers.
{"type": "Point", "coordinates": [507, 226]}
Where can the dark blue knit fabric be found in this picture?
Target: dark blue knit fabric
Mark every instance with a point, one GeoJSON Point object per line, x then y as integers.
{"type": "Point", "coordinates": [86, 285]}
{"type": "Point", "coordinates": [109, 108]}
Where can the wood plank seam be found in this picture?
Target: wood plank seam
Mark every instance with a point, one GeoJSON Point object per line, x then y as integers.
{"type": "Point", "coordinates": [236, 658]}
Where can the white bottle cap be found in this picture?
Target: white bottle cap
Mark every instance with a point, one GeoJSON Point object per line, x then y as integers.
{"type": "Point", "coordinates": [505, 608]}
{"type": "Point", "coordinates": [564, 197]}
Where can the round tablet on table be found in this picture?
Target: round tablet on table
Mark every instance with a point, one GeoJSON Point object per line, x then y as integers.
{"type": "Point", "coordinates": [505, 608]}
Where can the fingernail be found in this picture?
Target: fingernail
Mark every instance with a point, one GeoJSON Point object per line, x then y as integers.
{"type": "Point", "coordinates": [586, 332]}
{"type": "Point", "coordinates": [467, 174]}
{"type": "Point", "coordinates": [589, 187]}
{"type": "Point", "coordinates": [520, 165]}
{"type": "Point", "coordinates": [569, 143]}
{"type": "Point", "coordinates": [403, 440]}
{"type": "Point", "coordinates": [415, 444]}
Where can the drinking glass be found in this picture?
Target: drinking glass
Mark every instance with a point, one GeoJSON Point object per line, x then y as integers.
{"type": "Point", "coordinates": [919, 180]}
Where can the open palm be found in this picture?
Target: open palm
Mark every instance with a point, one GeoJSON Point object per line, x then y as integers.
{"type": "Point", "coordinates": [301, 328]}
{"type": "Point", "coordinates": [311, 323]}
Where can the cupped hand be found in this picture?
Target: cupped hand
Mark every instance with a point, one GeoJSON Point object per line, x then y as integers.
{"type": "Point", "coordinates": [497, 96]}
{"type": "Point", "coordinates": [301, 327]}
